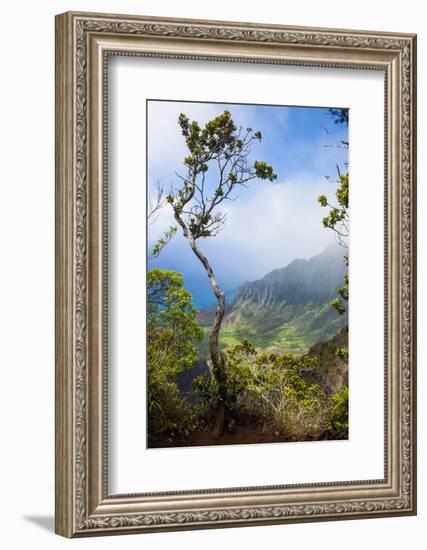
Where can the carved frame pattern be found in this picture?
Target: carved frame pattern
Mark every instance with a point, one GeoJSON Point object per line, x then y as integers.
{"type": "Point", "coordinates": [83, 507]}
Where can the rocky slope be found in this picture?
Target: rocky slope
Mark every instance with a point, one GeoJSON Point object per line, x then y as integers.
{"type": "Point", "coordinates": [299, 283]}
{"type": "Point", "coordinates": [288, 309]}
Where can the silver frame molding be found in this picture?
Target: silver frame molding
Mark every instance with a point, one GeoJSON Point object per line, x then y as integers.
{"type": "Point", "coordinates": [83, 43]}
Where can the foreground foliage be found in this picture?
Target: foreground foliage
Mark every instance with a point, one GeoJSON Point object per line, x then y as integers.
{"type": "Point", "coordinates": [172, 336]}
{"type": "Point", "coordinates": [278, 394]}
{"type": "Point", "coordinates": [269, 393]}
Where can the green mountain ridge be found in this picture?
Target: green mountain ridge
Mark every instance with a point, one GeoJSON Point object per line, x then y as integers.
{"type": "Point", "coordinates": [288, 310]}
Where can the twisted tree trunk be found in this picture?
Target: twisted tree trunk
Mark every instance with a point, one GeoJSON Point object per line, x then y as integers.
{"type": "Point", "coordinates": [217, 358]}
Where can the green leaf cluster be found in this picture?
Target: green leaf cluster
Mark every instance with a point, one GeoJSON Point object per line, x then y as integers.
{"type": "Point", "coordinates": [225, 147]}
{"type": "Point", "coordinates": [339, 115]}
{"type": "Point", "coordinates": [263, 171]}
{"type": "Point", "coordinates": [338, 423]}
{"type": "Point", "coordinates": [268, 392]}
{"type": "Point", "coordinates": [163, 241]}
{"type": "Point", "coordinates": [217, 136]}
{"type": "Point", "coordinates": [172, 337]}
{"type": "Point", "coordinates": [338, 213]}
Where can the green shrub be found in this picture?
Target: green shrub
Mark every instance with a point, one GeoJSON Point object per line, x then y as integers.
{"type": "Point", "coordinates": [172, 336]}
{"type": "Point", "coordinates": [338, 423]}
{"type": "Point", "coordinates": [267, 391]}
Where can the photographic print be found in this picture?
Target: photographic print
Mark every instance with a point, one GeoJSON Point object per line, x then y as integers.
{"type": "Point", "coordinates": [224, 289]}
{"type": "Point", "coordinates": [247, 273]}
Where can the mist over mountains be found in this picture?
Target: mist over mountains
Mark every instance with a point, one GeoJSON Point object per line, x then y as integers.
{"type": "Point", "coordinates": [288, 309]}
{"type": "Point", "coordinates": [300, 282]}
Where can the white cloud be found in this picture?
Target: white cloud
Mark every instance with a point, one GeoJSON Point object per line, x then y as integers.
{"type": "Point", "coordinates": [276, 223]}
{"type": "Point", "coordinates": [267, 226]}
{"type": "Point", "coordinates": [266, 229]}
{"type": "Point", "coordinates": [166, 144]}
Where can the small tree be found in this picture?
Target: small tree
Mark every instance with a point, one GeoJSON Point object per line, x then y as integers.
{"type": "Point", "coordinates": [338, 218]}
{"type": "Point", "coordinates": [222, 149]}
{"type": "Point", "coordinates": [172, 337]}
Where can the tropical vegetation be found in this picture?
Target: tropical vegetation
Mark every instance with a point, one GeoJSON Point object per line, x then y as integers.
{"type": "Point", "coordinates": [272, 365]}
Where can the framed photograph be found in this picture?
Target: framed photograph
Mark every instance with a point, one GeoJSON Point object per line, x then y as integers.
{"type": "Point", "coordinates": [235, 274]}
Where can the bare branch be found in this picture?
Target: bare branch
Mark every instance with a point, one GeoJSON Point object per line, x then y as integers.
{"type": "Point", "coordinates": [156, 203]}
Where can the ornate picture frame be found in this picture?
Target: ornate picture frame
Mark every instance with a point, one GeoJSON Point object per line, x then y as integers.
{"type": "Point", "coordinates": [84, 42]}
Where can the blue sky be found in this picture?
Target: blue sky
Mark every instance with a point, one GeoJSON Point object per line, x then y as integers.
{"type": "Point", "coordinates": [269, 224]}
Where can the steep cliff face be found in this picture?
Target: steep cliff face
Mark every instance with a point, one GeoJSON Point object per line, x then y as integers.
{"type": "Point", "coordinates": [331, 372]}
{"type": "Point", "coordinates": [288, 309]}
{"type": "Point", "coordinates": [300, 282]}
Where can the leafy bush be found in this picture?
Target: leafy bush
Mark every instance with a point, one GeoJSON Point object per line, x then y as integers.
{"type": "Point", "coordinates": [268, 390]}
{"type": "Point", "coordinates": [338, 423]}
{"type": "Point", "coordinates": [172, 336]}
